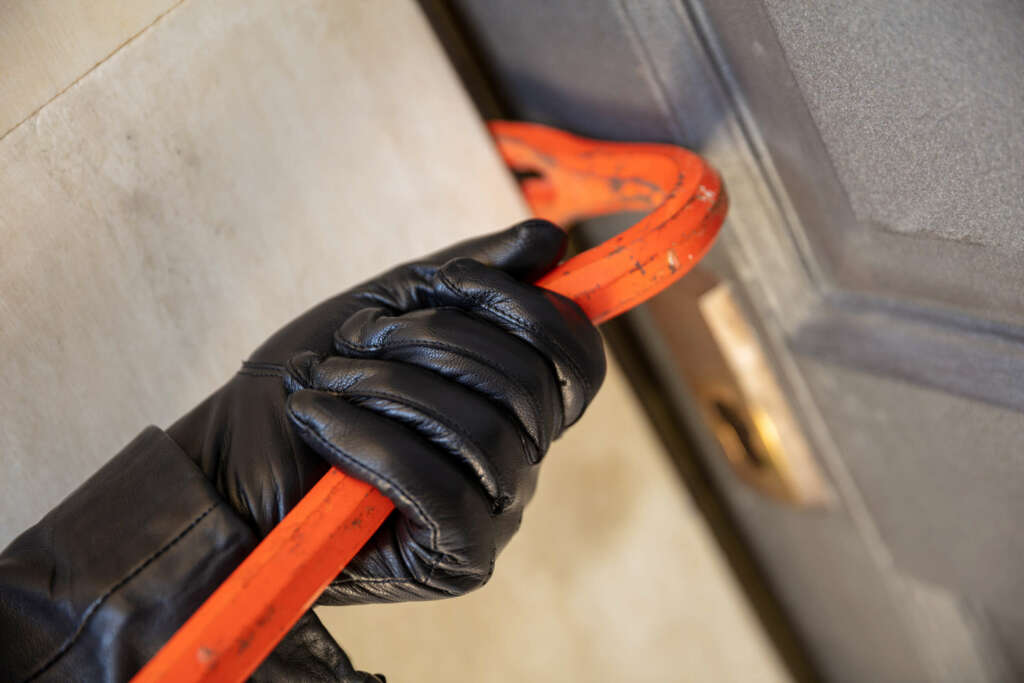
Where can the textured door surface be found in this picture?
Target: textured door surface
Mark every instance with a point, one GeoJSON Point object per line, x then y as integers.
{"type": "Point", "coordinates": [875, 159]}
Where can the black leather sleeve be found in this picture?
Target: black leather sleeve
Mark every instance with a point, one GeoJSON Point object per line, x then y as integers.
{"type": "Point", "coordinates": [94, 589]}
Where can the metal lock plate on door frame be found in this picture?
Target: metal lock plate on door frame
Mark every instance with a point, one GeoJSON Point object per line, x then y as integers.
{"type": "Point", "coordinates": [720, 356]}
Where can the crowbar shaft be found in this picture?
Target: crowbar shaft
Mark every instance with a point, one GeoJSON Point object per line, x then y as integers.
{"type": "Point", "coordinates": [565, 179]}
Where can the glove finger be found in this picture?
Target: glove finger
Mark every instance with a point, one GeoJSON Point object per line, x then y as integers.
{"type": "Point", "coordinates": [467, 350]}
{"type": "Point", "coordinates": [446, 511]}
{"type": "Point", "coordinates": [392, 567]}
{"type": "Point", "coordinates": [525, 251]}
{"type": "Point", "coordinates": [473, 430]}
{"type": "Point", "coordinates": [552, 324]}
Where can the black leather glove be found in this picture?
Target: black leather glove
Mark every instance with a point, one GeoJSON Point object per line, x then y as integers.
{"type": "Point", "coordinates": [441, 382]}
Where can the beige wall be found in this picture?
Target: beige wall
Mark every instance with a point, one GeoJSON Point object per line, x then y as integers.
{"type": "Point", "coordinates": [167, 201]}
{"type": "Point", "coordinates": [46, 45]}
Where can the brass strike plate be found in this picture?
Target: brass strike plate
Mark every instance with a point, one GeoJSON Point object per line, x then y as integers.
{"type": "Point", "coordinates": [721, 358]}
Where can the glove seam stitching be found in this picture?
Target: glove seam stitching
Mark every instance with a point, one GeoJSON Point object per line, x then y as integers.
{"type": "Point", "coordinates": [258, 373]}
{"type": "Point", "coordinates": [284, 424]}
{"type": "Point", "coordinates": [261, 365]}
{"type": "Point", "coordinates": [393, 581]}
{"type": "Point", "coordinates": [451, 424]}
{"type": "Point", "coordinates": [498, 367]}
{"type": "Point", "coordinates": [384, 300]}
{"type": "Point", "coordinates": [520, 325]}
{"type": "Point", "coordinates": [434, 531]}
{"type": "Point", "coordinates": [98, 602]}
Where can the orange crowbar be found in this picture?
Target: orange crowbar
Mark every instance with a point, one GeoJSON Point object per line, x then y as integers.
{"type": "Point", "coordinates": [564, 179]}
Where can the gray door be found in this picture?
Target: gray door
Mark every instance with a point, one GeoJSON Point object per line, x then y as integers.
{"type": "Point", "coordinates": [874, 153]}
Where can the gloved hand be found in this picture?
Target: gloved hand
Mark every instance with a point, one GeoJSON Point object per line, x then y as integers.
{"type": "Point", "coordinates": [441, 382]}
